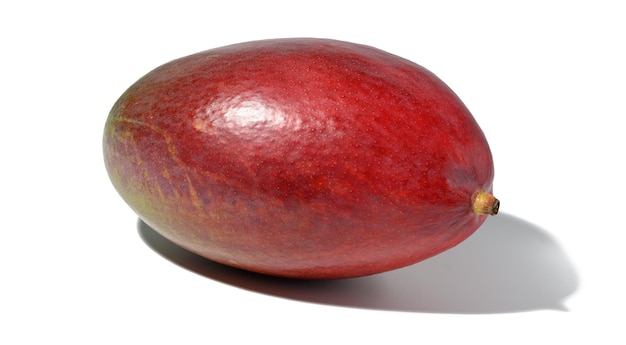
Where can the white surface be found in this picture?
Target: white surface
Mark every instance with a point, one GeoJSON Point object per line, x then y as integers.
{"type": "Point", "coordinates": [545, 79]}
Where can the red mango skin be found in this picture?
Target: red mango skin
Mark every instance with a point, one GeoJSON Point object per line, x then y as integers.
{"type": "Point", "coordinates": [304, 158]}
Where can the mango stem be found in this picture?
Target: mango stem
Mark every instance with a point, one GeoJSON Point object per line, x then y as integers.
{"type": "Point", "coordinates": [485, 203]}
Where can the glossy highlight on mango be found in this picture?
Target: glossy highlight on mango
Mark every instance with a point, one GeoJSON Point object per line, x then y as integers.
{"type": "Point", "coordinates": [305, 158]}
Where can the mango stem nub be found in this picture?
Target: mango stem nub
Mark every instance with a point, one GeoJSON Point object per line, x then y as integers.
{"type": "Point", "coordinates": [485, 203]}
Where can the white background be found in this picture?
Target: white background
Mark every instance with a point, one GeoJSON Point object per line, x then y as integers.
{"type": "Point", "coordinates": [545, 80]}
